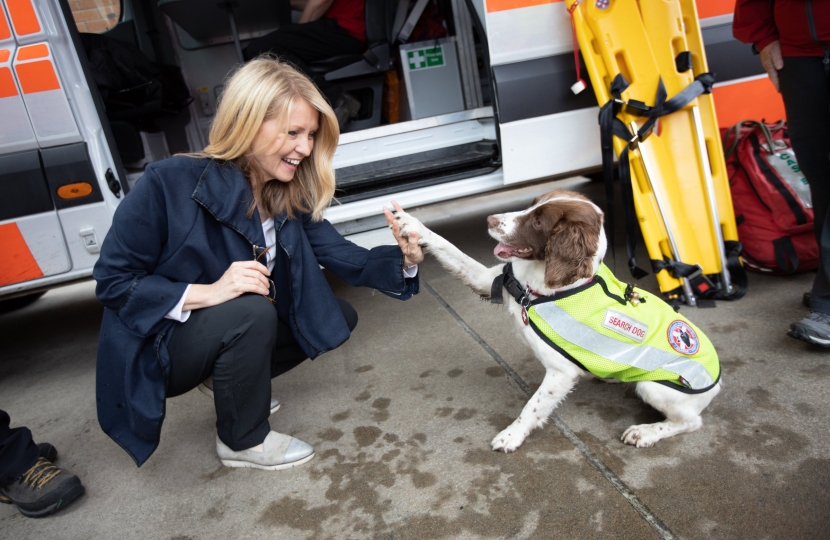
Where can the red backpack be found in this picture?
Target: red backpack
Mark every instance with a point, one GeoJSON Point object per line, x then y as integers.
{"type": "Point", "coordinates": [771, 199]}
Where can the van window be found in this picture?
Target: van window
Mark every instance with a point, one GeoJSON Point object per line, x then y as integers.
{"type": "Point", "coordinates": [95, 16]}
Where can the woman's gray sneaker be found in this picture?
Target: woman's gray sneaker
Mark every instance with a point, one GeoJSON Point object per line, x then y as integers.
{"type": "Point", "coordinates": [815, 329]}
{"type": "Point", "coordinates": [278, 452]}
{"type": "Point", "coordinates": [42, 490]}
{"type": "Point", "coordinates": [206, 387]}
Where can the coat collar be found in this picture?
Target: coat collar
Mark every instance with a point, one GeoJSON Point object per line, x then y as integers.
{"type": "Point", "coordinates": [223, 191]}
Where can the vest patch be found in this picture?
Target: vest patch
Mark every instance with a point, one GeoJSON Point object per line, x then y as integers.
{"type": "Point", "coordinates": [625, 325]}
{"type": "Point", "coordinates": [682, 338]}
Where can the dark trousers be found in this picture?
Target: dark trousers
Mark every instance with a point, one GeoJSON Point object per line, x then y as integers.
{"type": "Point", "coordinates": [804, 86]}
{"type": "Point", "coordinates": [243, 344]}
{"type": "Point", "coordinates": [18, 452]}
{"type": "Point", "coordinates": [309, 42]}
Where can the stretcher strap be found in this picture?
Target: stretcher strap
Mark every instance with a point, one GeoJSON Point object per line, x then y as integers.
{"type": "Point", "coordinates": [611, 126]}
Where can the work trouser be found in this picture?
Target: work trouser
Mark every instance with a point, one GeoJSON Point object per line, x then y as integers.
{"type": "Point", "coordinates": [804, 86]}
{"type": "Point", "coordinates": [243, 344]}
{"type": "Point", "coordinates": [17, 450]}
{"type": "Point", "coordinates": [309, 42]}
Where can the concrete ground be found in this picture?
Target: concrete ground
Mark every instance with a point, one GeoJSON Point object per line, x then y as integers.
{"type": "Point", "coordinates": [401, 417]}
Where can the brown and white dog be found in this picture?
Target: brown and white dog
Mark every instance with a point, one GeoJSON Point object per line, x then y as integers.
{"type": "Point", "coordinates": [555, 245]}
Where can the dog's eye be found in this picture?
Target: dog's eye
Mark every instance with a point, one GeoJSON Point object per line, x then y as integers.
{"type": "Point", "coordinates": [537, 222]}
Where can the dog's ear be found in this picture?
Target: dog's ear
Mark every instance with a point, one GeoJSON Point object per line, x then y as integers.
{"type": "Point", "coordinates": [572, 244]}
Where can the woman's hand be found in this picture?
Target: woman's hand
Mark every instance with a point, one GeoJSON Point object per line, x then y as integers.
{"type": "Point", "coordinates": [240, 278]}
{"type": "Point", "coordinates": [412, 252]}
{"type": "Point", "coordinates": [772, 61]}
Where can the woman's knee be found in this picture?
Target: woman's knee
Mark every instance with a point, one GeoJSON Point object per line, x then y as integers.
{"type": "Point", "coordinates": [349, 313]}
{"type": "Point", "coordinates": [257, 312]}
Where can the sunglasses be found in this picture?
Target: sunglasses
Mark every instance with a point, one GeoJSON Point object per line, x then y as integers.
{"type": "Point", "coordinates": [272, 289]}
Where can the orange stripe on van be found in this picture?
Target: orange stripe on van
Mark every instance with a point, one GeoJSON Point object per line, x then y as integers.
{"type": "Point", "coordinates": [37, 76]}
{"type": "Point", "coordinates": [749, 100]}
{"type": "Point", "coordinates": [18, 262]}
{"type": "Point", "coordinates": [503, 5]}
{"type": "Point", "coordinates": [41, 50]}
{"type": "Point", "coordinates": [713, 8]}
{"type": "Point", "coordinates": [5, 31]}
{"type": "Point", "coordinates": [4, 55]}
{"type": "Point", "coordinates": [24, 18]}
{"type": "Point", "coordinates": [7, 86]}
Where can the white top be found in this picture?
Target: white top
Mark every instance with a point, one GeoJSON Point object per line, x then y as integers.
{"type": "Point", "coordinates": [270, 233]}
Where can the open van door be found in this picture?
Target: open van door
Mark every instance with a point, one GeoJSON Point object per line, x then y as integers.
{"type": "Point", "coordinates": [59, 179]}
{"type": "Point", "coordinates": [546, 129]}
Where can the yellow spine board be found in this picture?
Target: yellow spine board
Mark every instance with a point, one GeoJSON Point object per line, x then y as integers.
{"type": "Point", "coordinates": [642, 47]}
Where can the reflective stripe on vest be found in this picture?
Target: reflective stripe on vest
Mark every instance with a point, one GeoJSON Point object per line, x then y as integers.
{"type": "Point", "coordinates": [597, 328]}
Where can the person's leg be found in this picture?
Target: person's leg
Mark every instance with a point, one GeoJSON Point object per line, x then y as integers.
{"type": "Point", "coordinates": [18, 452]}
{"type": "Point", "coordinates": [27, 479]}
{"type": "Point", "coordinates": [233, 342]}
{"type": "Point", "coordinates": [287, 352]}
{"type": "Point", "coordinates": [804, 87]}
{"type": "Point", "coordinates": [303, 43]}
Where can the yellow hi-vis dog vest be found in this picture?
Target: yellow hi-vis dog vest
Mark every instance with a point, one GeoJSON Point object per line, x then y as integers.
{"type": "Point", "coordinates": [598, 328]}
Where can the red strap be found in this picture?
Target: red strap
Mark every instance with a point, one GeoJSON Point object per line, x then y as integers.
{"type": "Point", "coordinates": [576, 43]}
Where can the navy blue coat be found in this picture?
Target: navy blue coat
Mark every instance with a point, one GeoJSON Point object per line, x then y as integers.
{"type": "Point", "coordinates": [185, 222]}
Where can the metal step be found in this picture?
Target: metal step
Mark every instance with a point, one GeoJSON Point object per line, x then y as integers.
{"type": "Point", "coordinates": [416, 170]}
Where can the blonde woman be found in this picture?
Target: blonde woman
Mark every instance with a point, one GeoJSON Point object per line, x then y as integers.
{"type": "Point", "coordinates": [212, 269]}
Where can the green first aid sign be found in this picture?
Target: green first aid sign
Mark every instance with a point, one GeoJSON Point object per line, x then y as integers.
{"type": "Point", "coordinates": [425, 58]}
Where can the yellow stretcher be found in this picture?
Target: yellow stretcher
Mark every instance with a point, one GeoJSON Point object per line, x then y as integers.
{"type": "Point", "coordinates": [678, 174]}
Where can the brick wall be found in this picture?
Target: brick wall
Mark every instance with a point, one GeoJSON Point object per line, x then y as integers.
{"type": "Point", "coordinates": [95, 16]}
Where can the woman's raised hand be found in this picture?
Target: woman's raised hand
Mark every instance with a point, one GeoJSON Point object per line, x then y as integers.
{"type": "Point", "coordinates": [240, 278]}
{"type": "Point", "coordinates": [412, 252]}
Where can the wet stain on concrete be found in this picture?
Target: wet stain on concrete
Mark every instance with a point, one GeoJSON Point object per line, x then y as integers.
{"type": "Point", "coordinates": [608, 411]}
{"type": "Point", "coordinates": [781, 500]}
{"type": "Point", "coordinates": [427, 373]}
{"type": "Point", "coordinates": [494, 371]}
{"type": "Point", "coordinates": [363, 396]}
{"type": "Point", "coordinates": [762, 398]}
{"type": "Point", "coordinates": [603, 451]}
{"type": "Point", "coordinates": [420, 437]}
{"type": "Point", "coordinates": [420, 479]}
{"type": "Point", "coordinates": [819, 370]}
{"type": "Point", "coordinates": [458, 440]}
{"type": "Point", "coordinates": [331, 452]}
{"type": "Point", "coordinates": [339, 417]}
{"type": "Point", "coordinates": [330, 434]}
{"type": "Point", "coordinates": [390, 437]}
{"type": "Point", "coordinates": [390, 455]}
{"type": "Point", "coordinates": [499, 420]}
{"type": "Point", "coordinates": [733, 363]}
{"type": "Point", "coordinates": [729, 328]}
{"type": "Point", "coordinates": [450, 398]}
{"type": "Point", "coordinates": [453, 373]}
{"type": "Point", "coordinates": [806, 409]}
{"type": "Point", "coordinates": [295, 513]}
{"type": "Point", "coordinates": [381, 413]}
{"type": "Point", "coordinates": [364, 369]}
{"type": "Point", "coordinates": [216, 512]}
{"type": "Point", "coordinates": [464, 414]}
{"type": "Point", "coordinates": [366, 435]}
{"type": "Point", "coordinates": [444, 412]}
{"type": "Point", "coordinates": [218, 473]}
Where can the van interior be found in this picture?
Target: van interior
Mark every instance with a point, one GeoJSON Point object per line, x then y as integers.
{"type": "Point", "coordinates": [423, 84]}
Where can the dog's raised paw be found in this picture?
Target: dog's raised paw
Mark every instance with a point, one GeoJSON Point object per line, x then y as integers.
{"type": "Point", "coordinates": [642, 436]}
{"type": "Point", "coordinates": [409, 224]}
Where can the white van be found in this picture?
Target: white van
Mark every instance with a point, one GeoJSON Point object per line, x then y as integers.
{"type": "Point", "coordinates": [486, 107]}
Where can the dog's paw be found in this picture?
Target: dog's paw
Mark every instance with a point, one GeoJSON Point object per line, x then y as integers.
{"type": "Point", "coordinates": [508, 440]}
{"type": "Point", "coordinates": [642, 436]}
{"type": "Point", "coordinates": [410, 224]}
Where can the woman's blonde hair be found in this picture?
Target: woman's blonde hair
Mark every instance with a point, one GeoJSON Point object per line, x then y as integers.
{"type": "Point", "coordinates": [264, 89]}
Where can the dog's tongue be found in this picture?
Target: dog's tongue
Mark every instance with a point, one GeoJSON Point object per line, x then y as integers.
{"type": "Point", "coordinates": [503, 250]}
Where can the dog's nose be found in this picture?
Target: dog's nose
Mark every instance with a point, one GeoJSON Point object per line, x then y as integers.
{"type": "Point", "coordinates": [493, 221]}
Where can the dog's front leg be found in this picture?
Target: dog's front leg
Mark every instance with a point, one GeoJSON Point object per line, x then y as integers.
{"type": "Point", "coordinates": [477, 276]}
{"type": "Point", "coordinates": [555, 386]}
